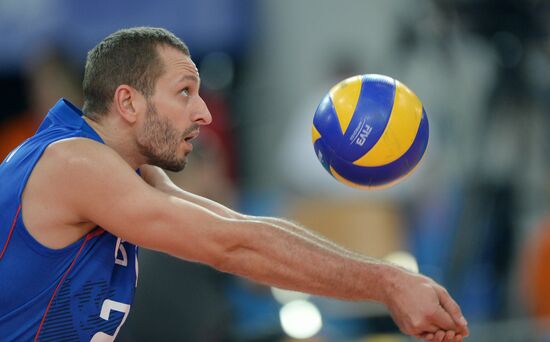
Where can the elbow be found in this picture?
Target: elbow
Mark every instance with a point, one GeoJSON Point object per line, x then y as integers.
{"type": "Point", "coordinates": [222, 263]}
{"type": "Point", "coordinates": [226, 258]}
{"type": "Point", "coordinates": [233, 251]}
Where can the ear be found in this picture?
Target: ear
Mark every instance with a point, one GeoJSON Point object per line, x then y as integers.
{"type": "Point", "coordinates": [129, 103]}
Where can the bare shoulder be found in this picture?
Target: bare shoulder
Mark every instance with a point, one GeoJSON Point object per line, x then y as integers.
{"type": "Point", "coordinates": [79, 152]}
{"type": "Point", "coordinates": [80, 162]}
{"type": "Point", "coordinates": [80, 184]}
{"type": "Point", "coordinates": [62, 184]}
{"type": "Point", "coordinates": [83, 168]}
{"type": "Point", "coordinates": [72, 168]}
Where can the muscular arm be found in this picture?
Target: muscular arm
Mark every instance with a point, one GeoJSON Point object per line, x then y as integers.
{"type": "Point", "coordinates": [265, 250]}
{"type": "Point", "coordinates": [399, 285]}
{"type": "Point", "coordinates": [95, 183]}
{"type": "Point", "coordinates": [157, 178]}
{"type": "Point", "coordinates": [281, 238]}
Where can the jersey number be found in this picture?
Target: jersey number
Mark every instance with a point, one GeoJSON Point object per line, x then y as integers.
{"type": "Point", "coordinates": [109, 304]}
{"type": "Point", "coordinates": [106, 308]}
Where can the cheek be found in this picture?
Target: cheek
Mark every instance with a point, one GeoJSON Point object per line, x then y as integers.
{"type": "Point", "coordinates": [170, 119]}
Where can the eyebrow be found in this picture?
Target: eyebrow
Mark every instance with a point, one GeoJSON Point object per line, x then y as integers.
{"type": "Point", "coordinates": [189, 78]}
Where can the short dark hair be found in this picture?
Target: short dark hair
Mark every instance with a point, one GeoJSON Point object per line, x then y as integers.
{"type": "Point", "coordinates": [128, 56]}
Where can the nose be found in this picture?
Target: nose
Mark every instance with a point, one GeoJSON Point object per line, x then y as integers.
{"type": "Point", "coordinates": [201, 114]}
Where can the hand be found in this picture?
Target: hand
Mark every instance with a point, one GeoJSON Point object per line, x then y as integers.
{"type": "Point", "coordinates": [441, 336]}
{"type": "Point", "coordinates": [422, 308]}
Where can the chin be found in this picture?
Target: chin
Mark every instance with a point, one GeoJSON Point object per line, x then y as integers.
{"type": "Point", "coordinates": [177, 167]}
{"type": "Point", "coordinates": [170, 165]}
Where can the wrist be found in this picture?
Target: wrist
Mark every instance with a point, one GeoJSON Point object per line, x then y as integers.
{"type": "Point", "coordinates": [388, 282]}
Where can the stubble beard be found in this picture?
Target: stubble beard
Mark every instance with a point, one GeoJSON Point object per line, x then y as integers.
{"type": "Point", "coordinates": [159, 141]}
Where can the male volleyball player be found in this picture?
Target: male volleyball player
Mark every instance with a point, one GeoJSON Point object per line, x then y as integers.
{"type": "Point", "coordinates": [79, 196]}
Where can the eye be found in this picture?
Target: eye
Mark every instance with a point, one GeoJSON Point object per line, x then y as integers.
{"type": "Point", "coordinates": [185, 91]}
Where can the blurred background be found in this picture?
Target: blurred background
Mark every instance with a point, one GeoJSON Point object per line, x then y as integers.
{"type": "Point", "coordinates": [475, 216]}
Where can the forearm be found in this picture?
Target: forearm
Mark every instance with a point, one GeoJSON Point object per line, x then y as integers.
{"type": "Point", "coordinates": [288, 258]}
{"type": "Point", "coordinates": [288, 225]}
{"type": "Point", "coordinates": [165, 185]}
{"type": "Point", "coordinates": [284, 254]}
{"type": "Point", "coordinates": [279, 256]}
{"type": "Point", "coordinates": [317, 238]}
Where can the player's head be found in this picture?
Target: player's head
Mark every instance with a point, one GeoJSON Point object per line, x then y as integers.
{"type": "Point", "coordinates": [150, 70]}
{"type": "Point", "coordinates": [127, 56]}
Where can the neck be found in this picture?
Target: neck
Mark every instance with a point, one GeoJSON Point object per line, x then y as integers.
{"type": "Point", "coordinates": [117, 138]}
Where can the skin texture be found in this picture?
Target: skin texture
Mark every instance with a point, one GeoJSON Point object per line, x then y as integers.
{"type": "Point", "coordinates": [150, 211]}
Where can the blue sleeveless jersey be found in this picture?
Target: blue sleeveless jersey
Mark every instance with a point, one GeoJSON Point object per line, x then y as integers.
{"type": "Point", "coordinates": [82, 292]}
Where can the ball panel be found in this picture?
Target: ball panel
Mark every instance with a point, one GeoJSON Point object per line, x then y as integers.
{"type": "Point", "coordinates": [344, 98]}
{"type": "Point", "coordinates": [400, 131]}
{"type": "Point", "coordinates": [381, 175]}
{"type": "Point", "coordinates": [420, 143]}
{"type": "Point", "coordinates": [341, 179]}
{"type": "Point", "coordinates": [314, 134]}
{"type": "Point", "coordinates": [371, 116]}
{"type": "Point", "coordinates": [323, 153]}
{"type": "Point", "coordinates": [365, 187]}
{"type": "Point", "coordinates": [327, 124]}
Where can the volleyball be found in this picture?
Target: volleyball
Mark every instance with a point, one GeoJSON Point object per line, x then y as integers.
{"type": "Point", "coordinates": [370, 131]}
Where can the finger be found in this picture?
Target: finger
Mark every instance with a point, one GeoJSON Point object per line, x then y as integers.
{"type": "Point", "coordinates": [449, 336]}
{"type": "Point", "coordinates": [426, 337]}
{"type": "Point", "coordinates": [439, 336]}
{"type": "Point", "coordinates": [453, 309]}
{"type": "Point", "coordinates": [458, 338]}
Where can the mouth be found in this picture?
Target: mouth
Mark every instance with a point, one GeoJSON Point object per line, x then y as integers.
{"type": "Point", "coordinates": [191, 136]}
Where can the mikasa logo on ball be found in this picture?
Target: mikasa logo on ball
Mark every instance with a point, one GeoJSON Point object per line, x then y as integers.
{"type": "Point", "coordinates": [363, 135]}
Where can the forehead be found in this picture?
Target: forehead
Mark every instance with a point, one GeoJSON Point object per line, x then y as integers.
{"type": "Point", "coordinates": [177, 65]}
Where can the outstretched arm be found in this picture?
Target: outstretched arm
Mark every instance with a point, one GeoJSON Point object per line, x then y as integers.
{"type": "Point", "coordinates": [270, 251]}
{"type": "Point", "coordinates": [157, 178]}
{"type": "Point", "coordinates": [411, 298]}
{"type": "Point", "coordinates": [119, 201]}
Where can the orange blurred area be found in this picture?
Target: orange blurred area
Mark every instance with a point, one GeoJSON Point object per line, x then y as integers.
{"type": "Point", "coordinates": [15, 131]}
{"type": "Point", "coordinates": [535, 262]}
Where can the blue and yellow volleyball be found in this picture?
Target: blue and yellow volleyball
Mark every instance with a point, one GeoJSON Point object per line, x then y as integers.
{"type": "Point", "coordinates": [370, 131]}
